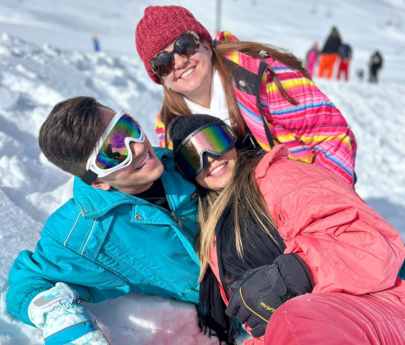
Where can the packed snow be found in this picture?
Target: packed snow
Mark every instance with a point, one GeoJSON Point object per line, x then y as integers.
{"type": "Point", "coordinates": [46, 56]}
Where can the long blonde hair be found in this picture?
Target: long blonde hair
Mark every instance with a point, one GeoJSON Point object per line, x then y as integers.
{"type": "Point", "coordinates": [247, 202]}
{"type": "Point", "coordinates": [174, 104]}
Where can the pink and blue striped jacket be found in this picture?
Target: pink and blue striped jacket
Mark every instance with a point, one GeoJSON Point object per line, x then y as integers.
{"type": "Point", "coordinates": [314, 131]}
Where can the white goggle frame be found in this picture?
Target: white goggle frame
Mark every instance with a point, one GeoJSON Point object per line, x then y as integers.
{"type": "Point", "coordinates": [93, 171]}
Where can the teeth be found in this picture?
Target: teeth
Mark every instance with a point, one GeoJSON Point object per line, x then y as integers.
{"type": "Point", "coordinates": [186, 74]}
{"type": "Point", "coordinates": [146, 160]}
{"type": "Point", "coordinates": [217, 170]}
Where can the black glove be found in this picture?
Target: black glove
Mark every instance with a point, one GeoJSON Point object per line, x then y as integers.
{"type": "Point", "coordinates": [262, 290]}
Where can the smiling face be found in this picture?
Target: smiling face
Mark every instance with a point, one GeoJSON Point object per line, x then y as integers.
{"type": "Point", "coordinates": [137, 177]}
{"type": "Point", "coordinates": [219, 172]}
{"type": "Point", "coordinates": [192, 76]}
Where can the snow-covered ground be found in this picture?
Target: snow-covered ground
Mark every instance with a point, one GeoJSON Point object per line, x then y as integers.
{"type": "Point", "coordinates": [45, 57]}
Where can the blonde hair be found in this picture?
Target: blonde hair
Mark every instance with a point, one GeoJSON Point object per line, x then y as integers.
{"type": "Point", "coordinates": [174, 104]}
{"type": "Point", "coordinates": [247, 202]}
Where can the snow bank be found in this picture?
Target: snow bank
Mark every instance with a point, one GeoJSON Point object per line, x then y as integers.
{"type": "Point", "coordinates": [17, 231]}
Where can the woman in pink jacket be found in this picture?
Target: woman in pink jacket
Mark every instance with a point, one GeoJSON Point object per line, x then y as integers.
{"type": "Point", "coordinates": [295, 254]}
{"type": "Point", "coordinates": [263, 93]}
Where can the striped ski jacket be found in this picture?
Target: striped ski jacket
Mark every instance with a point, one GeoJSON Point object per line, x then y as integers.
{"type": "Point", "coordinates": [314, 131]}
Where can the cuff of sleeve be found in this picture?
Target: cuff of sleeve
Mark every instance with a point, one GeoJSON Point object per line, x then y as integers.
{"type": "Point", "coordinates": [253, 340]}
{"type": "Point", "coordinates": [23, 312]}
{"type": "Point", "coordinates": [311, 270]}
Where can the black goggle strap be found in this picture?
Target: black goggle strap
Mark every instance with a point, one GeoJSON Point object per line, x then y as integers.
{"type": "Point", "coordinates": [89, 177]}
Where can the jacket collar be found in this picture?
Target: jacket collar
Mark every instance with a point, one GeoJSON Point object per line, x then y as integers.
{"type": "Point", "coordinates": [247, 62]}
{"type": "Point", "coordinates": [94, 203]}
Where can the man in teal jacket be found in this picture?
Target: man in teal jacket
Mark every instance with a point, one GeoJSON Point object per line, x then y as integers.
{"type": "Point", "coordinates": [130, 225]}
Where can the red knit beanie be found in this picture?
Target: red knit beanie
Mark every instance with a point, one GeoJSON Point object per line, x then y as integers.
{"type": "Point", "coordinates": [159, 27]}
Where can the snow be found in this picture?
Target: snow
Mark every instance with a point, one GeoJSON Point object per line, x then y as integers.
{"type": "Point", "coordinates": [45, 57]}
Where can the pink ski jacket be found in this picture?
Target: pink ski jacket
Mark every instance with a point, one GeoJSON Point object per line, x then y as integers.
{"type": "Point", "coordinates": [346, 245]}
{"type": "Point", "coordinates": [314, 131]}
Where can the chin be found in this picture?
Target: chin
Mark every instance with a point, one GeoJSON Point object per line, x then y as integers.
{"type": "Point", "coordinates": [192, 85]}
{"type": "Point", "coordinates": [157, 170]}
{"type": "Point", "coordinates": [220, 186]}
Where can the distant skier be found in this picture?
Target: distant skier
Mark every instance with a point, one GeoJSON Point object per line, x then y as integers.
{"type": "Point", "coordinates": [345, 53]}
{"type": "Point", "coordinates": [376, 63]}
{"type": "Point", "coordinates": [329, 54]}
{"type": "Point", "coordinates": [96, 44]}
{"type": "Point", "coordinates": [312, 57]}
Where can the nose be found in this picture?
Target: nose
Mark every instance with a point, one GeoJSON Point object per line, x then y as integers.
{"type": "Point", "coordinates": [136, 148]}
{"type": "Point", "coordinates": [179, 61]}
{"type": "Point", "coordinates": [210, 159]}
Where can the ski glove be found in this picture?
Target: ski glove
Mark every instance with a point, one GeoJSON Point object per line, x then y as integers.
{"type": "Point", "coordinates": [262, 290]}
{"type": "Point", "coordinates": [62, 319]}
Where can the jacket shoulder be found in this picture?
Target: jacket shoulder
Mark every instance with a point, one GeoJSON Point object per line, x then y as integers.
{"type": "Point", "coordinates": [60, 223]}
{"type": "Point", "coordinates": [276, 173]}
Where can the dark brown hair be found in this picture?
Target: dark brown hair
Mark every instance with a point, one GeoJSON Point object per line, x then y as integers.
{"type": "Point", "coordinates": [174, 104]}
{"type": "Point", "coordinates": [70, 133]}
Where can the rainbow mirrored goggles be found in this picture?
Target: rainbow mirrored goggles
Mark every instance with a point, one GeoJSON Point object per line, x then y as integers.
{"type": "Point", "coordinates": [112, 151]}
{"type": "Point", "coordinates": [212, 140]}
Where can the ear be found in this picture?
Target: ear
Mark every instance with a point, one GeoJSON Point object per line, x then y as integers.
{"type": "Point", "coordinates": [98, 184]}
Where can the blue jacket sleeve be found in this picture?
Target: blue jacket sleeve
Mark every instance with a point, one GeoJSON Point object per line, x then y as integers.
{"type": "Point", "coordinates": [51, 262]}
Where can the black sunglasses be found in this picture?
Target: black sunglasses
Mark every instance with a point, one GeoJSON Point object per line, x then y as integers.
{"type": "Point", "coordinates": [185, 45]}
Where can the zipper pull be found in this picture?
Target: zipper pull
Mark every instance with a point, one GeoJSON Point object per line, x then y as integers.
{"type": "Point", "coordinates": [84, 299]}
{"type": "Point", "coordinates": [179, 223]}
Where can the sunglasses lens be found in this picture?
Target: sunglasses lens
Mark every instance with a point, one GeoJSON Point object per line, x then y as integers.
{"type": "Point", "coordinates": [216, 139]}
{"type": "Point", "coordinates": [114, 151]}
{"type": "Point", "coordinates": [186, 45]}
{"type": "Point", "coordinates": [163, 63]}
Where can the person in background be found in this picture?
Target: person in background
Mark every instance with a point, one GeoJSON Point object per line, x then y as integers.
{"type": "Point", "coordinates": [375, 65]}
{"type": "Point", "coordinates": [96, 44]}
{"type": "Point", "coordinates": [130, 225]}
{"type": "Point", "coordinates": [290, 247]}
{"type": "Point", "coordinates": [312, 58]}
{"type": "Point", "coordinates": [345, 54]}
{"type": "Point", "coordinates": [329, 54]}
{"type": "Point", "coordinates": [266, 95]}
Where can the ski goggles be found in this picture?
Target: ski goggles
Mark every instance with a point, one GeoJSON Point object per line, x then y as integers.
{"type": "Point", "coordinates": [112, 151]}
{"type": "Point", "coordinates": [185, 45]}
{"type": "Point", "coordinates": [212, 140]}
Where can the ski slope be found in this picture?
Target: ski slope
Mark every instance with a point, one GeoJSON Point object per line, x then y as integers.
{"type": "Point", "coordinates": [45, 57]}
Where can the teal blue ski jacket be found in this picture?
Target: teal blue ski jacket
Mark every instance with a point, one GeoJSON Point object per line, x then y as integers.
{"type": "Point", "coordinates": [105, 244]}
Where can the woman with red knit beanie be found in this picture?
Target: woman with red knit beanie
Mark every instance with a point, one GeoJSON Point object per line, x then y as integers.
{"type": "Point", "coordinates": [264, 94]}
